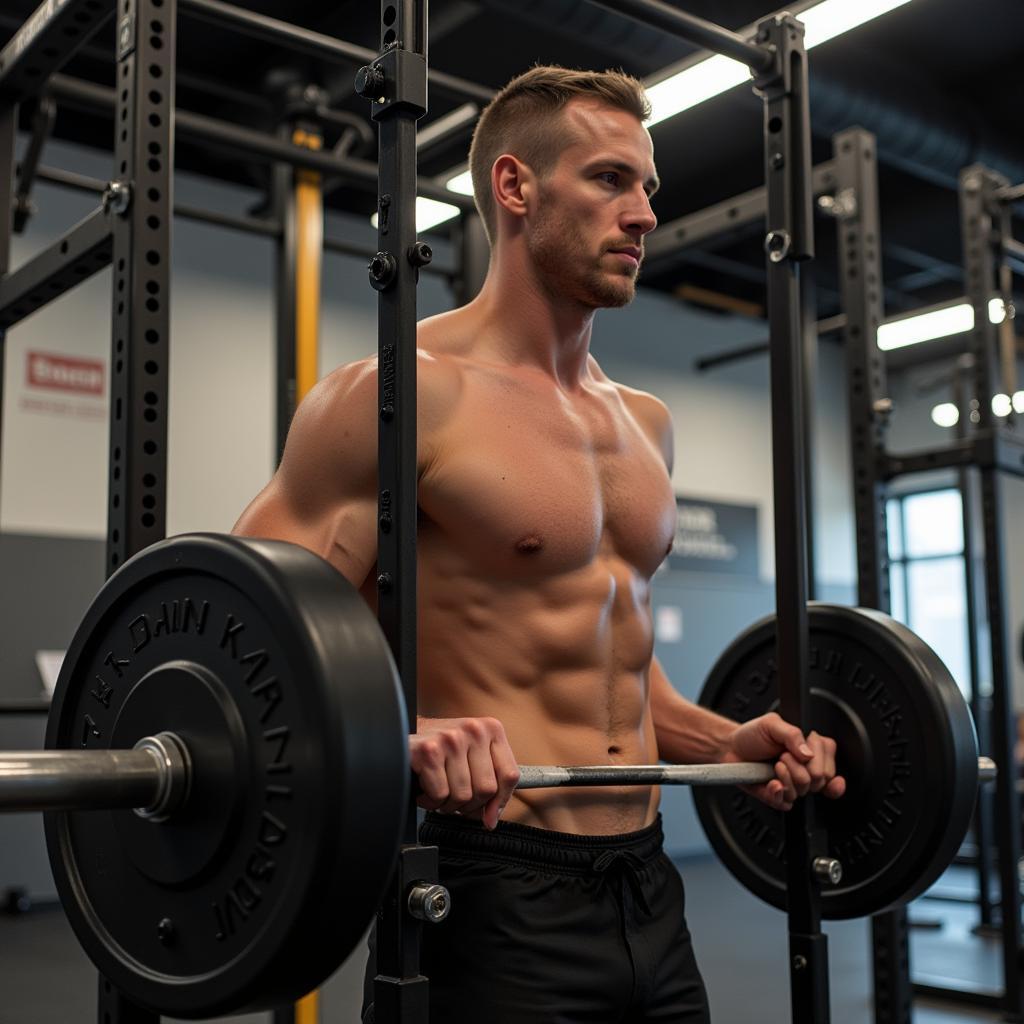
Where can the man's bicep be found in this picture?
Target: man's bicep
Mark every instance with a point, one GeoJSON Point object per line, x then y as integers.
{"type": "Point", "coordinates": [345, 534]}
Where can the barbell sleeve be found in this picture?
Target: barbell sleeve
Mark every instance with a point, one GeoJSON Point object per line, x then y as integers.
{"type": "Point", "coordinates": [153, 778]}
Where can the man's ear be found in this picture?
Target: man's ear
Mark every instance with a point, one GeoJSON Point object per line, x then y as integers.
{"type": "Point", "coordinates": [513, 184]}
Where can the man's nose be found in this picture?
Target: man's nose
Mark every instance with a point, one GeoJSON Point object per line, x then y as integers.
{"type": "Point", "coordinates": [640, 217]}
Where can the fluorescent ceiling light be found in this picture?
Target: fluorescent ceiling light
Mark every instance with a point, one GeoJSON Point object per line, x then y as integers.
{"type": "Point", "coordinates": [713, 76]}
{"type": "Point", "coordinates": [1018, 402]}
{"type": "Point", "coordinates": [937, 323]}
{"type": "Point", "coordinates": [832, 18]}
{"type": "Point", "coordinates": [697, 83]}
{"type": "Point", "coordinates": [946, 415]}
{"type": "Point", "coordinates": [461, 183]}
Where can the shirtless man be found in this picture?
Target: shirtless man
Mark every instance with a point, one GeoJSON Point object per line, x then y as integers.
{"type": "Point", "coordinates": [546, 506]}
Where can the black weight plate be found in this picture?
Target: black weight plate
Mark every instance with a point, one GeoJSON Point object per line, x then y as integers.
{"type": "Point", "coordinates": [274, 673]}
{"type": "Point", "coordinates": [905, 743]}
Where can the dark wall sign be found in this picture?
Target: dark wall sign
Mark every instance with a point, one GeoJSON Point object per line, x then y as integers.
{"type": "Point", "coordinates": [714, 536]}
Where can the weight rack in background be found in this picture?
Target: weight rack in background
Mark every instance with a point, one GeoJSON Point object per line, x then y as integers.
{"type": "Point", "coordinates": [130, 231]}
{"type": "Point", "coordinates": [986, 452]}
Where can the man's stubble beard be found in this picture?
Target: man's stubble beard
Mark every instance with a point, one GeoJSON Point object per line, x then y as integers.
{"type": "Point", "coordinates": [569, 270]}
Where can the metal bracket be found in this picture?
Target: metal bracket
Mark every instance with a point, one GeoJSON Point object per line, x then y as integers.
{"type": "Point", "coordinates": [787, 129]}
{"type": "Point", "coordinates": [396, 79]}
{"type": "Point", "coordinates": [126, 36]}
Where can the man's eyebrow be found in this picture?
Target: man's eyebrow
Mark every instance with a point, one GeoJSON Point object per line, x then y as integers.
{"type": "Point", "coordinates": [652, 184]}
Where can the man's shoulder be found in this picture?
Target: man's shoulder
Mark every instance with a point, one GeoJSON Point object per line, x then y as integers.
{"type": "Point", "coordinates": [642, 404]}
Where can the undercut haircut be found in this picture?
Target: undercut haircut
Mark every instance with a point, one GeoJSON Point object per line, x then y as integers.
{"type": "Point", "coordinates": [524, 119]}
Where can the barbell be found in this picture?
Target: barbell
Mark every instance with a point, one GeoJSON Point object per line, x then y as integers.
{"type": "Point", "coordinates": [227, 772]}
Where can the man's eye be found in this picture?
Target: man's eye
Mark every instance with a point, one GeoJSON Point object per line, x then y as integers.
{"type": "Point", "coordinates": [610, 176]}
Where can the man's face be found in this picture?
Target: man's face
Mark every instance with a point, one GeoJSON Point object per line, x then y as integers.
{"type": "Point", "coordinates": [594, 207]}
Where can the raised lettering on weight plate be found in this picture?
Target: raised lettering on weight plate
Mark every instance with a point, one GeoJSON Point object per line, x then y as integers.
{"type": "Point", "coordinates": [89, 730]}
{"type": "Point", "coordinates": [117, 664]}
{"type": "Point", "coordinates": [177, 619]}
{"type": "Point", "coordinates": [244, 895]}
{"type": "Point", "coordinates": [102, 692]}
{"type": "Point", "coordinates": [229, 638]}
{"type": "Point", "coordinates": [258, 660]}
{"type": "Point", "coordinates": [278, 736]}
{"type": "Point", "coordinates": [138, 629]}
{"type": "Point", "coordinates": [270, 691]}
{"type": "Point", "coordinates": [827, 660]}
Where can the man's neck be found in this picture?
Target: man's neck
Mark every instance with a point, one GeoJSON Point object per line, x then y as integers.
{"type": "Point", "coordinates": [524, 323]}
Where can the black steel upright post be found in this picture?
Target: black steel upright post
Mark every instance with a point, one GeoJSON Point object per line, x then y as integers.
{"type": "Point", "coordinates": [809, 305]}
{"type": "Point", "coordinates": [141, 199]}
{"type": "Point", "coordinates": [113, 1008]}
{"type": "Point", "coordinates": [789, 241]}
{"type": "Point", "coordinates": [397, 83]}
{"type": "Point", "coordinates": [984, 225]}
{"type": "Point", "coordinates": [8, 127]}
{"type": "Point", "coordinates": [858, 233]}
{"type": "Point", "coordinates": [980, 706]}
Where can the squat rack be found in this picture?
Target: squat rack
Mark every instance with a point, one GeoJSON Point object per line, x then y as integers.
{"type": "Point", "coordinates": [131, 231]}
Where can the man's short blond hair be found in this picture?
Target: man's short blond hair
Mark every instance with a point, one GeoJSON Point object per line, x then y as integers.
{"type": "Point", "coordinates": [524, 119]}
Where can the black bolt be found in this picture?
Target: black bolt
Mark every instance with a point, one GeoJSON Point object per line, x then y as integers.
{"type": "Point", "coordinates": [778, 161]}
{"type": "Point", "coordinates": [385, 522]}
{"type": "Point", "coordinates": [370, 82]}
{"type": "Point", "coordinates": [387, 412]}
{"type": "Point", "coordinates": [384, 582]}
{"type": "Point", "coordinates": [382, 269]}
{"type": "Point", "coordinates": [165, 931]}
{"type": "Point", "coordinates": [420, 254]}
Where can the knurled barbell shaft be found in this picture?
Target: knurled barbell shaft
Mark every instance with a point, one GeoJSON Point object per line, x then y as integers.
{"type": "Point", "coordinates": [152, 778]}
{"type": "Point", "coordinates": [548, 776]}
{"type": "Point", "coordinates": [737, 774]}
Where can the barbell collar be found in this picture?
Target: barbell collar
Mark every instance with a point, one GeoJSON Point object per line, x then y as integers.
{"type": "Point", "coordinates": [153, 778]}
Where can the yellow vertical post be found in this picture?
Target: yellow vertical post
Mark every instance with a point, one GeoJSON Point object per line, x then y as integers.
{"type": "Point", "coordinates": [309, 239]}
{"type": "Point", "coordinates": [309, 214]}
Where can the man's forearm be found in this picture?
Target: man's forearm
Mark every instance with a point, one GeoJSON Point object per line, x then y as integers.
{"type": "Point", "coordinates": [686, 732]}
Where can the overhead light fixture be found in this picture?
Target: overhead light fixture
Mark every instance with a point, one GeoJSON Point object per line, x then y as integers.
{"type": "Point", "coordinates": [715, 75]}
{"type": "Point", "coordinates": [946, 415]}
{"type": "Point", "coordinates": [832, 18]}
{"type": "Point", "coordinates": [462, 183]}
{"type": "Point", "coordinates": [1002, 405]}
{"type": "Point", "coordinates": [936, 323]}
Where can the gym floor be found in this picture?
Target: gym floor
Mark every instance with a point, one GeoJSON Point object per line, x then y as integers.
{"type": "Point", "coordinates": [741, 944]}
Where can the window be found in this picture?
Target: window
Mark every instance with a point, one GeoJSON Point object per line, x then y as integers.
{"type": "Point", "coordinates": [926, 576]}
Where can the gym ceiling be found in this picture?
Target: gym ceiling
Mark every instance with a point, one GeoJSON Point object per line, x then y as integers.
{"type": "Point", "coordinates": [937, 81]}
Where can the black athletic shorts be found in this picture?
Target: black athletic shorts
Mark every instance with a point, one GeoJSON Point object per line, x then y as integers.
{"type": "Point", "coordinates": [552, 928]}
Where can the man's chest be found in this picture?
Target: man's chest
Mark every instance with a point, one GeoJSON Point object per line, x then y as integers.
{"type": "Point", "coordinates": [541, 487]}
